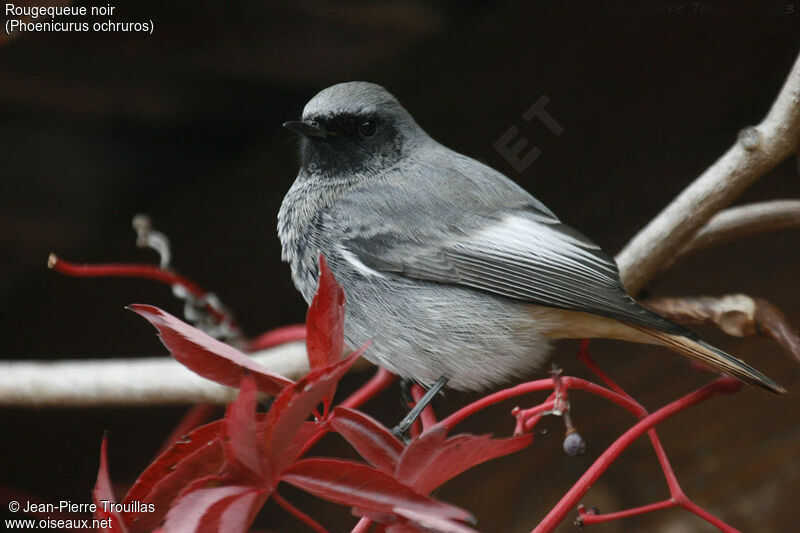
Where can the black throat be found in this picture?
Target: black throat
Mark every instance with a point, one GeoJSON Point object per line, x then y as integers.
{"type": "Point", "coordinates": [345, 149]}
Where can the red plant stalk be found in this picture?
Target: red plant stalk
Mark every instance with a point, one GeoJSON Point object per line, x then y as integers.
{"type": "Point", "coordinates": [587, 517]}
{"type": "Point", "coordinates": [579, 489]}
{"type": "Point", "coordinates": [428, 417]}
{"type": "Point", "coordinates": [297, 513]}
{"type": "Point", "coordinates": [135, 270]}
{"type": "Point", "coordinates": [677, 496]}
{"type": "Point", "coordinates": [277, 336]}
{"type": "Point", "coordinates": [618, 396]}
{"type": "Point", "coordinates": [569, 382]}
{"type": "Point", "coordinates": [376, 384]}
{"type": "Point", "coordinates": [528, 418]}
{"type": "Point", "coordinates": [362, 526]}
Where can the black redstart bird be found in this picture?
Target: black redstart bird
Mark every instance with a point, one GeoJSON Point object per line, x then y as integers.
{"type": "Point", "coordinates": [456, 274]}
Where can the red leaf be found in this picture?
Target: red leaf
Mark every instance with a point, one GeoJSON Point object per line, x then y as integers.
{"type": "Point", "coordinates": [240, 445]}
{"type": "Point", "coordinates": [325, 320]}
{"type": "Point", "coordinates": [292, 450]}
{"type": "Point", "coordinates": [207, 356]}
{"type": "Point", "coordinates": [417, 455]}
{"type": "Point", "coordinates": [234, 513]}
{"type": "Point", "coordinates": [426, 522]}
{"type": "Point", "coordinates": [197, 455]}
{"type": "Point", "coordinates": [364, 487]}
{"type": "Point", "coordinates": [103, 493]}
{"type": "Point", "coordinates": [372, 441]}
{"type": "Point", "coordinates": [403, 527]}
{"type": "Point", "coordinates": [430, 460]}
{"type": "Point", "coordinates": [198, 505]}
{"type": "Point", "coordinates": [195, 417]}
{"type": "Point", "coordinates": [407, 521]}
{"type": "Point", "coordinates": [292, 408]}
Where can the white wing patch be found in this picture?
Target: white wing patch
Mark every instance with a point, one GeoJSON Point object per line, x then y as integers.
{"type": "Point", "coordinates": [516, 238]}
{"type": "Point", "coordinates": [355, 262]}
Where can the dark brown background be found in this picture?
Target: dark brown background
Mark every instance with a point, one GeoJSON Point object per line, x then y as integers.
{"type": "Point", "coordinates": [185, 125]}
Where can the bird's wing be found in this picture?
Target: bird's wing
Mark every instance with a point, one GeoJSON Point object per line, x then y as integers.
{"type": "Point", "coordinates": [519, 252]}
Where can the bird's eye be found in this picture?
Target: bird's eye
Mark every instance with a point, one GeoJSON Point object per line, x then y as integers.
{"type": "Point", "coordinates": [368, 128]}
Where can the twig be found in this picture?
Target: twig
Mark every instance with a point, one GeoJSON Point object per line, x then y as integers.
{"type": "Point", "coordinates": [127, 270]}
{"type": "Point", "coordinates": [757, 150]}
{"type": "Point", "coordinates": [379, 382]}
{"type": "Point", "coordinates": [428, 417]}
{"type": "Point", "coordinates": [772, 322]}
{"type": "Point", "coordinates": [677, 496]}
{"type": "Point", "coordinates": [362, 526]}
{"type": "Point", "coordinates": [297, 513]}
{"type": "Point", "coordinates": [743, 221]}
{"type": "Point", "coordinates": [128, 382]}
{"type": "Point", "coordinates": [571, 383]}
{"type": "Point", "coordinates": [646, 424]}
{"type": "Point", "coordinates": [277, 336]}
{"type": "Point", "coordinates": [570, 500]}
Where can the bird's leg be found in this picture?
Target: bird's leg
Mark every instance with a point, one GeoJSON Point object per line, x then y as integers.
{"type": "Point", "coordinates": [405, 391]}
{"type": "Point", "coordinates": [405, 424]}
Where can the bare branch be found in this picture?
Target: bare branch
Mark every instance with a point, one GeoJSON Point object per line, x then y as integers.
{"type": "Point", "coordinates": [757, 150]}
{"type": "Point", "coordinates": [744, 221]}
{"type": "Point", "coordinates": [738, 315]}
{"type": "Point", "coordinates": [772, 322]}
{"type": "Point", "coordinates": [129, 382]}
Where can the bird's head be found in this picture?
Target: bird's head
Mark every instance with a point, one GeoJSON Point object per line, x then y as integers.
{"type": "Point", "coordinates": [354, 128]}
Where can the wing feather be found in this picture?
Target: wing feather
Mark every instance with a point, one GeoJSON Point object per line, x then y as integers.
{"type": "Point", "coordinates": [519, 257]}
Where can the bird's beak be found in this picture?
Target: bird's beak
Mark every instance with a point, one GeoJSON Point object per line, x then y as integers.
{"type": "Point", "coordinates": [308, 128]}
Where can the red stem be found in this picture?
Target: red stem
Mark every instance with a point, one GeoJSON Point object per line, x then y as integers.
{"type": "Point", "coordinates": [363, 525]}
{"type": "Point", "coordinates": [571, 498]}
{"type": "Point", "coordinates": [276, 337]}
{"type": "Point", "coordinates": [532, 386]}
{"type": "Point", "coordinates": [708, 517]}
{"type": "Point", "coordinates": [297, 513]}
{"type": "Point", "coordinates": [428, 417]}
{"type": "Point", "coordinates": [569, 382]}
{"type": "Point", "coordinates": [376, 384]}
{"type": "Point", "coordinates": [677, 496]}
{"type": "Point", "coordinates": [415, 430]}
{"type": "Point", "coordinates": [133, 270]}
{"type": "Point", "coordinates": [585, 357]}
{"type": "Point", "coordinates": [675, 490]}
{"type": "Point", "coordinates": [587, 519]}
{"type": "Point", "coordinates": [530, 417]}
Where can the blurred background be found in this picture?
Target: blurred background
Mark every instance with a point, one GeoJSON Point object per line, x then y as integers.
{"type": "Point", "coordinates": [184, 125]}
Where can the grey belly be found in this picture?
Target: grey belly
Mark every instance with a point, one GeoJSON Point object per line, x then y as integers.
{"type": "Point", "coordinates": [423, 330]}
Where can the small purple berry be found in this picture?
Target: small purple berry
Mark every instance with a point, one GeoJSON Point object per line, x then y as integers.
{"type": "Point", "coordinates": [574, 444]}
